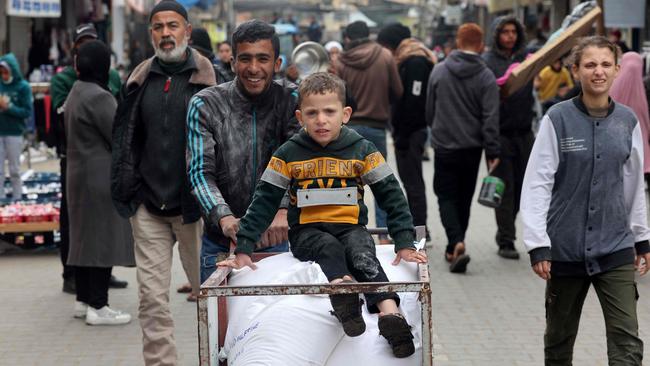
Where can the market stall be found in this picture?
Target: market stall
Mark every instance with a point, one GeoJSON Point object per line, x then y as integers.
{"type": "Point", "coordinates": [34, 220]}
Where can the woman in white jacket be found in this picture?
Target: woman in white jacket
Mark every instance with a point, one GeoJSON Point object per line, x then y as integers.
{"type": "Point", "coordinates": [583, 209]}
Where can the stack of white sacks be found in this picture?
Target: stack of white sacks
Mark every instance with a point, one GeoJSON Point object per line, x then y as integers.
{"type": "Point", "coordinates": [299, 330]}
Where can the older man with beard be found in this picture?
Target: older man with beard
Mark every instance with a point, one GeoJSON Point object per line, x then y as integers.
{"type": "Point", "coordinates": [148, 180]}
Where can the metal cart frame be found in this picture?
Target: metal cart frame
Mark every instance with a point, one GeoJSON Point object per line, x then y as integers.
{"type": "Point", "coordinates": [213, 293]}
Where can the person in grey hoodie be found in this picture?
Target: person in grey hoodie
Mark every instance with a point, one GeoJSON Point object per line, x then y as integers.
{"type": "Point", "coordinates": [515, 132]}
{"type": "Point", "coordinates": [462, 107]}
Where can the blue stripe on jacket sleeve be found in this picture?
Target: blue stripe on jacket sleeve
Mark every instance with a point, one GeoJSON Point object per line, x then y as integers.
{"type": "Point", "coordinates": [195, 143]}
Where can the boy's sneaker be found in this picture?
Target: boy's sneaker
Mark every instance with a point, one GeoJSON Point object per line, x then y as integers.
{"type": "Point", "coordinates": [80, 309]}
{"type": "Point", "coordinates": [106, 316]}
{"type": "Point", "coordinates": [347, 309]}
{"type": "Point", "coordinates": [398, 334]}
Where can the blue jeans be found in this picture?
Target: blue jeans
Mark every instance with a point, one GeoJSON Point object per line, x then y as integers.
{"type": "Point", "coordinates": [210, 252]}
{"type": "Point", "coordinates": [378, 137]}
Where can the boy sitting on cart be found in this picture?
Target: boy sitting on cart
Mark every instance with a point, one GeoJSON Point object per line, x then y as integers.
{"type": "Point", "coordinates": [325, 166]}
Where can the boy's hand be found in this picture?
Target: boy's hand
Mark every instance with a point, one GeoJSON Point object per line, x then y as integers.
{"type": "Point", "coordinates": [241, 260]}
{"type": "Point", "coordinates": [410, 255]}
{"type": "Point", "coordinates": [642, 266]}
{"type": "Point", "coordinates": [229, 226]}
{"type": "Point", "coordinates": [277, 232]}
{"type": "Point", "coordinates": [543, 269]}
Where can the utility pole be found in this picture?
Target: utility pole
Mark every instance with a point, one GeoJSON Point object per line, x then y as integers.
{"type": "Point", "coordinates": [231, 16]}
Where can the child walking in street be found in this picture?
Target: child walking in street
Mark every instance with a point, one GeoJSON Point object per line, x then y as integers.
{"type": "Point", "coordinates": [325, 166]}
{"type": "Point", "coordinates": [584, 211]}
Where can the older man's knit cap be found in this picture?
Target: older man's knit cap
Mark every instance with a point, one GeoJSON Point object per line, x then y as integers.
{"type": "Point", "coordinates": [168, 5]}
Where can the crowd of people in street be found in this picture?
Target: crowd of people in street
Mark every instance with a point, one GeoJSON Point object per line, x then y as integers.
{"type": "Point", "coordinates": [215, 152]}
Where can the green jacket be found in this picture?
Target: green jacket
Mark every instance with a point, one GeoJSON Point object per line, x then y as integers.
{"type": "Point", "coordinates": [326, 186]}
{"type": "Point", "coordinates": [61, 84]}
{"type": "Point", "coordinates": [21, 102]}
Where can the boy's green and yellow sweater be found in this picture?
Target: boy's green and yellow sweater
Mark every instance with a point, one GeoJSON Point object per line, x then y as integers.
{"type": "Point", "coordinates": [326, 186]}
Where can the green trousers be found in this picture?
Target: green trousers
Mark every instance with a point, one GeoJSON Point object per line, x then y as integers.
{"type": "Point", "coordinates": [618, 296]}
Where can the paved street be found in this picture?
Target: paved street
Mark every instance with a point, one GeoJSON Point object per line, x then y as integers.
{"type": "Point", "coordinates": [493, 315]}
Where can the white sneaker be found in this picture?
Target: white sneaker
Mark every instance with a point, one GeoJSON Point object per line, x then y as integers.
{"type": "Point", "coordinates": [106, 316]}
{"type": "Point", "coordinates": [80, 309]}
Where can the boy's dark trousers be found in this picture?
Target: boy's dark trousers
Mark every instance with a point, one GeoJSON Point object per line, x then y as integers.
{"type": "Point", "coordinates": [618, 296]}
{"type": "Point", "coordinates": [409, 167]}
{"type": "Point", "coordinates": [515, 150]}
{"type": "Point", "coordinates": [454, 182]}
{"type": "Point", "coordinates": [342, 249]}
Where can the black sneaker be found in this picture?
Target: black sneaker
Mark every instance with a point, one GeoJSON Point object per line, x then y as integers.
{"type": "Point", "coordinates": [397, 332]}
{"type": "Point", "coordinates": [508, 252]}
{"type": "Point", "coordinates": [115, 283]}
{"type": "Point", "coordinates": [347, 309]}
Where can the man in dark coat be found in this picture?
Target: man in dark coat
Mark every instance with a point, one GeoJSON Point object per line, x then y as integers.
{"type": "Point", "coordinates": [515, 128]}
{"type": "Point", "coordinates": [414, 63]}
{"type": "Point", "coordinates": [148, 176]}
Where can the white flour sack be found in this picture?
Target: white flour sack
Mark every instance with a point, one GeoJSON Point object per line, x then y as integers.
{"type": "Point", "coordinates": [298, 330]}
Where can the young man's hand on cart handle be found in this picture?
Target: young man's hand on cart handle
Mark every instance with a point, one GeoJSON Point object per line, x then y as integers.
{"type": "Point", "coordinates": [642, 265]}
{"type": "Point", "coordinates": [229, 226]}
{"type": "Point", "coordinates": [240, 261]}
{"type": "Point", "coordinates": [277, 232]}
{"type": "Point", "coordinates": [412, 254]}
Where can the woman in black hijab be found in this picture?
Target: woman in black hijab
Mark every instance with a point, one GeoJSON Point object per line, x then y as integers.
{"type": "Point", "coordinates": [99, 237]}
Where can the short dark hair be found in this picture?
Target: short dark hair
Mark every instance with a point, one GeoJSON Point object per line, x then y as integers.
{"type": "Point", "coordinates": [392, 35]}
{"type": "Point", "coordinates": [321, 83]}
{"type": "Point", "coordinates": [219, 44]}
{"type": "Point", "coordinates": [357, 30]}
{"type": "Point", "coordinates": [593, 41]}
{"type": "Point", "coordinates": [252, 31]}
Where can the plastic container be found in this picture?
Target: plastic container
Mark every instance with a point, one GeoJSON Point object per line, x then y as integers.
{"type": "Point", "coordinates": [491, 191]}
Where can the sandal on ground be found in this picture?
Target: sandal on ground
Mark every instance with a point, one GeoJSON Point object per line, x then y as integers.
{"type": "Point", "coordinates": [192, 298]}
{"type": "Point", "coordinates": [459, 249]}
{"type": "Point", "coordinates": [347, 309]}
{"type": "Point", "coordinates": [185, 289]}
{"type": "Point", "coordinates": [397, 332]}
{"type": "Point", "coordinates": [459, 264]}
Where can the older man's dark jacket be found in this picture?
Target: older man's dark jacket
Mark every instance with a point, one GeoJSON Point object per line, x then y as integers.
{"type": "Point", "coordinates": [231, 138]}
{"type": "Point", "coordinates": [128, 187]}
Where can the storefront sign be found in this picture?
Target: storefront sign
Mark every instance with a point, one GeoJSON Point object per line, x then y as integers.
{"type": "Point", "coordinates": [625, 13]}
{"type": "Point", "coordinates": [34, 8]}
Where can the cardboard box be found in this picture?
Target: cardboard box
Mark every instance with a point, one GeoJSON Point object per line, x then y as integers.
{"type": "Point", "coordinates": [528, 69]}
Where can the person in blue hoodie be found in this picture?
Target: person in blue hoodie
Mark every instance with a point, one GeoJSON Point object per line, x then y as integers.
{"type": "Point", "coordinates": [16, 104]}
